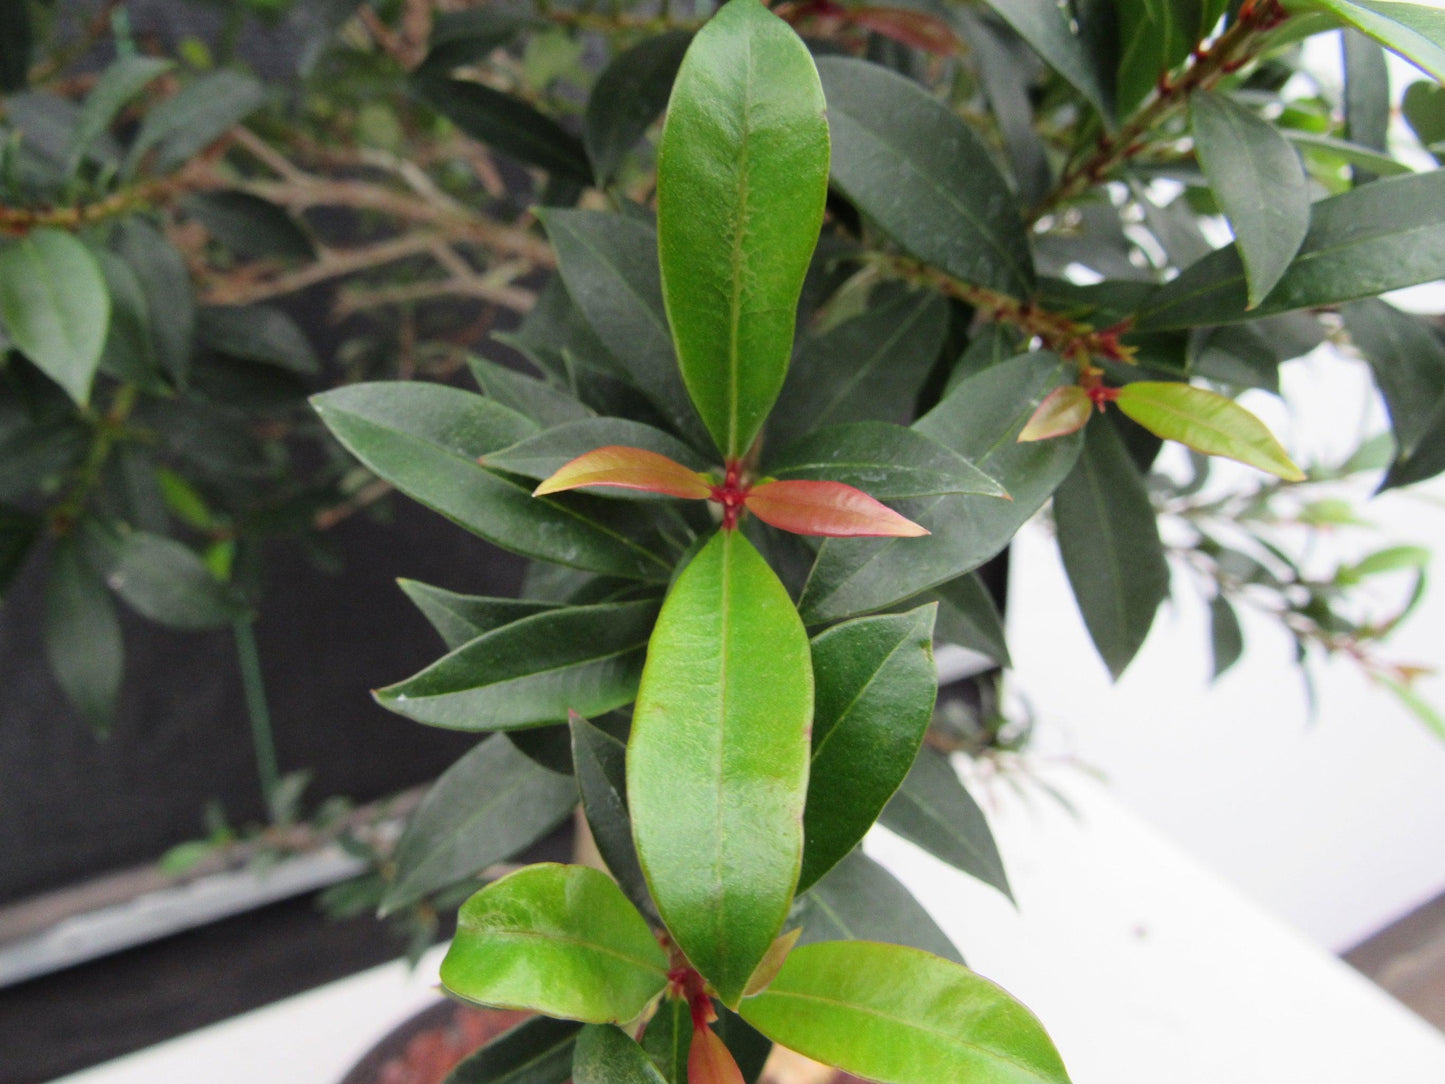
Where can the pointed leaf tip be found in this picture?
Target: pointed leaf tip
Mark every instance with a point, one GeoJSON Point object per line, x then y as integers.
{"type": "Point", "coordinates": [628, 468]}
{"type": "Point", "coordinates": [827, 508]}
{"type": "Point", "coordinates": [709, 1061]}
{"type": "Point", "coordinates": [1064, 410]}
{"type": "Point", "coordinates": [1208, 423]}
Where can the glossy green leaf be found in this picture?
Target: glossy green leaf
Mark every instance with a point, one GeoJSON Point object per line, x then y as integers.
{"type": "Point", "coordinates": [885, 461]}
{"type": "Point", "coordinates": [1060, 41]}
{"type": "Point", "coordinates": [170, 297]}
{"type": "Point", "coordinates": [924, 176]}
{"type": "Point", "coordinates": [1226, 638]}
{"type": "Point", "coordinates": [980, 420]}
{"type": "Point", "coordinates": [628, 468]}
{"type": "Point", "coordinates": [459, 618]}
{"type": "Point", "coordinates": [933, 810]}
{"type": "Point", "coordinates": [607, 1055]}
{"type": "Point", "coordinates": [969, 617]}
{"type": "Point", "coordinates": [1207, 422]}
{"type": "Point", "coordinates": [425, 440]}
{"type": "Point", "coordinates": [717, 765]}
{"type": "Point", "coordinates": [18, 531]}
{"type": "Point", "coordinates": [831, 509]}
{"type": "Point", "coordinates": [859, 900]}
{"type": "Point", "coordinates": [600, 763]}
{"type": "Point", "coordinates": [898, 1015]}
{"type": "Point", "coordinates": [1423, 107]}
{"type": "Point", "coordinates": [668, 1039]}
{"type": "Point", "coordinates": [1109, 541]}
{"type": "Point", "coordinates": [874, 687]}
{"type": "Point", "coordinates": [485, 808]}
{"type": "Point", "coordinates": [260, 333]}
{"type": "Point", "coordinates": [201, 113]}
{"type": "Point", "coordinates": [1407, 360]}
{"type": "Point", "coordinates": [250, 226]}
{"type": "Point", "coordinates": [16, 40]}
{"type": "Point", "coordinates": [581, 658]}
{"type": "Point", "coordinates": [55, 307]}
{"type": "Point", "coordinates": [113, 91]}
{"type": "Point", "coordinates": [532, 398]}
{"type": "Point", "coordinates": [536, 1051]}
{"type": "Point", "coordinates": [1258, 179]}
{"type": "Point", "coordinates": [628, 96]}
{"type": "Point", "coordinates": [1361, 243]}
{"type": "Point", "coordinates": [562, 940]}
{"type": "Point", "coordinates": [167, 582]}
{"type": "Point", "coordinates": [1415, 31]}
{"type": "Point", "coordinates": [504, 123]}
{"type": "Point", "coordinates": [1156, 36]}
{"type": "Point", "coordinates": [82, 635]}
{"type": "Point", "coordinates": [867, 368]}
{"type": "Point", "coordinates": [742, 175]}
{"type": "Point", "coordinates": [546, 453]}
{"type": "Point", "coordinates": [609, 265]}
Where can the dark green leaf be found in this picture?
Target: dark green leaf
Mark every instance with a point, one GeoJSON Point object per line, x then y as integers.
{"type": "Point", "coordinates": [16, 41]}
{"type": "Point", "coordinates": [18, 531]}
{"type": "Point", "coordinates": [607, 1055]}
{"type": "Point", "coordinates": [582, 658]}
{"type": "Point", "coordinates": [1109, 540]}
{"type": "Point", "coordinates": [425, 439]}
{"type": "Point", "coordinates": [1157, 36]}
{"type": "Point", "coordinates": [1238, 354]}
{"type": "Point", "coordinates": [167, 582]}
{"type": "Point", "coordinates": [1005, 82]}
{"type": "Point", "coordinates": [257, 333]}
{"type": "Point", "coordinates": [901, 1016]}
{"type": "Point", "coordinates": [1334, 151]}
{"type": "Point", "coordinates": [886, 461]}
{"type": "Point", "coordinates": [628, 96]}
{"type": "Point", "coordinates": [250, 226]}
{"type": "Point", "coordinates": [859, 900]}
{"type": "Point", "coordinates": [874, 687]}
{"type": "Point", "coordinates": [668, 1038]}
{"type": "Point", "coordinates": [129, 353]}
{"type": "Point", "coordinates": [1361, 243]}
{"type": "Point", "coordinates": [113, 91]}
{"type": "Point", "coordinates": [484, 809]}
{"type": "Point", "coordinates": [562, 940]}
{"type": "Point", "coordinates": [1225, 636]}
{"type": "Point", "coordinates": [505, 123]}
{"type": "Point", "coordinates": [537, 1051]}
{"type": "Point", "coordinates": [748, 1046]}
{"type": "Point", "coordinates": [1367, 94]}
{"type": "Point", "coordinates": [532, 398]}
{"type": "Point", "coordinates": [1415, 31]}
{"type": "Point", "coordinates": [82, 635]}
{"type": "Point", "coordinates": [1259, 181]}
{"type": "Point", "coordinates": [742, 176]}
{"type": "Point", "coordinates": [461, 618]}
{"type": "Point", "coordinates": [1424, 110]}
{"type": "Point", "coordinates": [867, 368]}
{"type": "Point", "coordinates": [968, 617]}
{"type": "Point", "coordinates": [170, 298]}
{"type": "Point", "coordinates": [980, 419]}
{"type": "Point", "coordinates": [1059, 40]}
{"type": "Point", "coordinates": [465, 37]}
{"type": "Point", "coordinates": [55, 307]}
{"type": "Point", "coordinates": [203, 111]}
{"type": "Point", "coordinates": [909, 163]}
{"type": "Point", "coordinates": [717, 764]}
{"type": "Point", "coordinates": [1408, 363]}
{"type": "Point", "coordinates": [600, 761]}
{"type": "Point", "coordinates": [933, 810]}
{"type": "Point", "coordinates": [542, 455]}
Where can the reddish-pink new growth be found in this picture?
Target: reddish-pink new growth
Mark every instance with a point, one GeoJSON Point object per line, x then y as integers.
{"type": "Point", "coordinates": [831, 509]}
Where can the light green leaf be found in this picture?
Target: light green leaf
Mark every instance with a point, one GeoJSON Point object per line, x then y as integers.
{"type": "Point", "coordinates": [717, 764]}
{"type": "Point", "coordinates": [533, 671]}
{"type": "Point", "coordinates": [925, 177]}
{"type": "Point", "coordinates": [537, 1051]}
{"type": "Point", "coordinates": [628, 96]}
{"type": "Point", "coordinates": [1415, 31]}
{"type": "Point", "coordinates": [1259, 181]}
{"type": "Point", "coordinates": [485, 808]}
{"type": "Point", "coordinates": [1416, 705]}
{"type": "Point", "coordinates": [55, 307]}
{"type": "Point", "coordinates": [1208, 423]}
{"type": "Point", "coordinates": [888, 462]}
{"type": "Point", "coordinates": [874, 687]}
{"type": "Point", "coordinates": [606, 1055]}
{"type": "Point", "coordinates": [1361, 243]}
{"type": "Point", "coordinates": [82, 636]}
{"type": "Point", "coordinates": [742, 175]}
{"type": "Point", "coordinates": [1109, 540]}
{"type": "Point", "coordinates": [898, 1015]}
{"type": "Point", "coordinates": [560, 940]}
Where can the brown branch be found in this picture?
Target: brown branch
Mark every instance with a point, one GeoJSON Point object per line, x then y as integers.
{"type": "Point", "coordinates": [333, 263]}
{"type": "Point", "coordinates": [511, 297]}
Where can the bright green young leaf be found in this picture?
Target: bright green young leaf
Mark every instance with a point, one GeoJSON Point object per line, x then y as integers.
{"type": "Point", "coordinates": [1424, 108]}
{"type": "Point", "coordinates": [874, 687]}
{"type": "Point", "coordinates": [1361, 243]}
{"type": "Point", "coordinates": [203, 111]}
{"type": "Point", "coordinates": [1391, 559]}
{"type": "Point", "coordinates": [628, 96]}
{"type": "Point", "coordinates": [1208, 423]}
{"type": "Point", "coordinates": [606, 1055]}
{"type": "Point", "coordinates": [886, 461]}
{"type": "Point", "coordinates": [561, 940]}
{"type": "Point", "coordinates": [546, 453]}
{"type": "Point", "coordinates": [859, 900]}
{"type": "Point", "coordinates": [546, 405]}
{"type": "Point", "coordinates": [1060, 41]}
{"type": "Point", "coordinates": [898, 1015]}
{"type": "Point", "coordinates": [425, 439]}
{"type": "Point", "coordinates": [924, 176]}
{"type": "Point", "coordinates": [1259, 181]}
{"type": "Point", "coordinates": [460, 618]}
{"type": "Point", "coordinates": [55, 307]}
{"type": "Point", "coordinates": [1109, 540]}
{"type": "Point", "coordinates": [980, 420]}
{"type": "Point", "coordinates": [167, 582]}
{"type": "Point", "coordinates": [485, 808]}
{"type": "Point", "coordinates": [536, 1051]}
{"type": "Point", "coordinates": [600, 763]}
{"type": "Point", "coordinates": [1415, 31]}
{"type": "Point", "coordinates": [533, 671]}
{"type": "Point", "coordinates": [742, 175]}
{"type": "Point", "coordinates": [933, 810]}
{"type": "Point", "coordinates": [82, 636]}
{"type": "Point", "coordinates": [668, 1038]}
{"type": "Point", "coordinates": [867, 368]}
{"type": "Point", "coordinates": [1226, 638]}
{"type": "Point", "coordinates": [170, 297]}
{"type": "Point", "coordinates": [717, 765]}
{"type": "Point", "coordinates": [115, 88]}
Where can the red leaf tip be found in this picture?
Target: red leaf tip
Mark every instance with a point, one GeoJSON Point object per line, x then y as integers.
{"type": "Point", "coordinates": [830, 509]}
